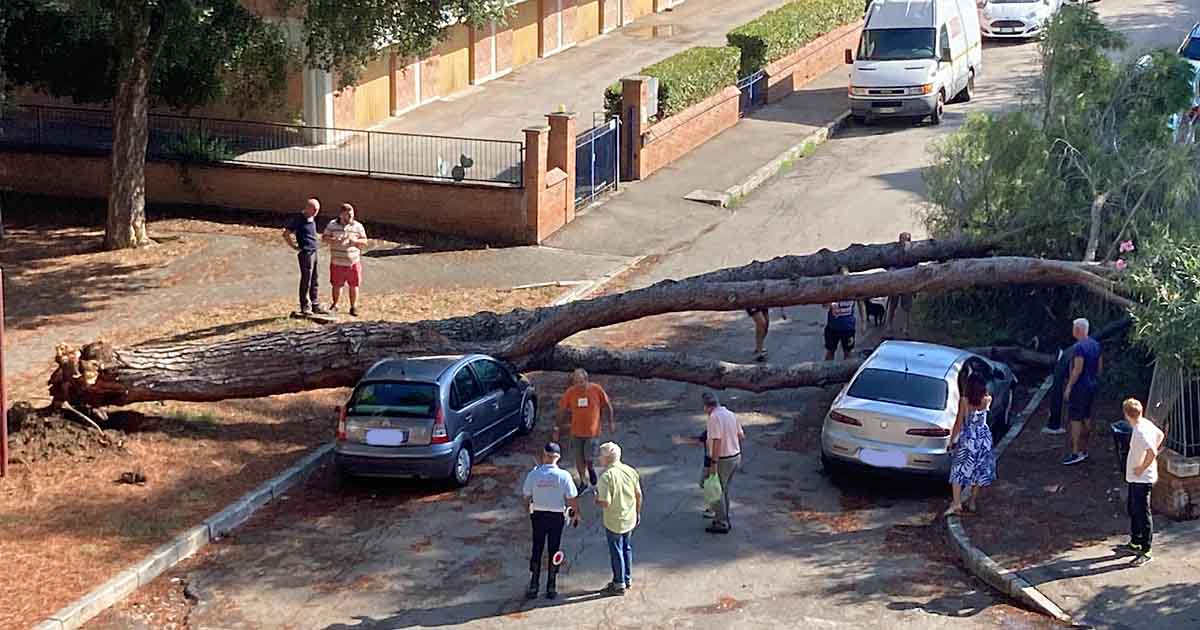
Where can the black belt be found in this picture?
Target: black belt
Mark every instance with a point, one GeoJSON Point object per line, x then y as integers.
{"type": "Point", "coordinates": [729, 456]}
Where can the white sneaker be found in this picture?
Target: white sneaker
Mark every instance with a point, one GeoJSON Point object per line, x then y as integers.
{"type": "Point", "coordinates": [1051, 431]}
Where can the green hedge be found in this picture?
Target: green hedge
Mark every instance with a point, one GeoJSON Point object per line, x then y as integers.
{"type": "Point", "coordinates": [780, 32]}
{"type": "Point", "coordinates": [693, 75]}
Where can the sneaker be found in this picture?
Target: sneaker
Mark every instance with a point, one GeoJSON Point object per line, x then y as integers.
{"type": "Point", "coordinates": [306, 312]}
{"type": "Point", "coordinates": [317, 310]}
{"type": "Point", "coordinates": [614, 589]}
{"type": "Point", "coordinates": [1053, 431]}
{"type": "Point", "coordinates": [717, 529]}
{"type": "Point", "coordinates": [333, 308]}
{"type": "Point", "coordinates": [1130, 548]}
{"type": "Point", "coordinates": [760, 357]}
{"type": "Point", "coordinates": [1142, 559]}
{"type": "Point", "coordinates": [1074, 458]}
{"type": "Point", "coordinates": [709, 514]}
{"type": "Point", "coordinates": [353, 311]}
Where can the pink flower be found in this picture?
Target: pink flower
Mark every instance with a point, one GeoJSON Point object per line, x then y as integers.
{"type": "Point", "coordinates": [1121, 264]}
{"type": "Point", "coordinates": [1126, 247]}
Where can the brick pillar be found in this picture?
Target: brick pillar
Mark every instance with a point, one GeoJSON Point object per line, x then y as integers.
{"type": "Point", "coordinates": [537, 140]}
{"type": "Point", "coordinates": [634, 97]}
{"type": "Point", "coordinates": [561, 153]}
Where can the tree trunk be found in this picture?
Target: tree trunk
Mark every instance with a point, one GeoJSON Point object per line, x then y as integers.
{"type": "Point", "coordinates": [126, 221]}
{"type": "Point", "coordinates": [1097, 216]}
{"type": "Point", "coordinates": [291, 361]}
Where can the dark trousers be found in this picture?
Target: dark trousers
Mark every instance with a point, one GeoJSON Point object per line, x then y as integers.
{"type": "Point", "coordinates": [1141, 526]}
{"type": "Point", "coordinates": [547, 536]}
{"type": "Point", "coordinates": [310, 289]}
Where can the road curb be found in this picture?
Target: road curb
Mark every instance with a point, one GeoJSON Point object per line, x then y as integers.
{"type": "Point", "coordinates": [589, 288]}
{"type": "Point", "coordinates": [768, 170]}
{"type": "Point", "coordinates": [979, 563]}
{"type": "Point", "coordinates": [212, 529]}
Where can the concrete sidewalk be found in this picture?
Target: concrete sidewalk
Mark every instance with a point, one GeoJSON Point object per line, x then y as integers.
{"type": "Point", "coordinates": [651, 217]}
{"type": "Point", "coordinates": [1101, 588]}
{"type": "Point", "coordinates": [576, 78]}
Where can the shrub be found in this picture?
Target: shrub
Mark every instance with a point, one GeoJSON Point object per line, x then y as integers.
{"type": "Point", "coordinates": [780, 32]}
{"type": "Point", "coordinates": [691, 76]}
{"type": "Point", "coordinates": [199, 147]}
{"type": "Point", "coordinates": [612, 101]}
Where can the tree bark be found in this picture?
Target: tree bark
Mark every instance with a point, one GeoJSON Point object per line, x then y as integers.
{"type": "Point", "coordinates": [285, 362]}
{"type": "Point", "coordinates": [1096, 217]}
{"type": "Point", "coordinates": [125, 226]}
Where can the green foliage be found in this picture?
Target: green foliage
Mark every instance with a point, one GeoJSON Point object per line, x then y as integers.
{"type": "Point", "coordinates": [782, 31]}
{"type": "Point", "coordinates": [692, 75]}
{"type": "Point", "coordinates": [200, 147]}
{"type": "Point", "coordinates": [1165, 276]}
{"type": "Point", "coordinates": [612, 100]}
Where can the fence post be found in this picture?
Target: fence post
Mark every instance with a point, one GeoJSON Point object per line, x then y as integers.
{"type": "Point", "coordinates": [369, 134]}
{"type": "Point", "coordinates": [37, 116]}
{"type": "Point", "coordinates": [3, 390]}
{"type": "Point", "coordinates": [562, 153]}
{"type": "Point", "coordinates": [537, 140]}
{"type": "Point", "coordinates": [634, 96]}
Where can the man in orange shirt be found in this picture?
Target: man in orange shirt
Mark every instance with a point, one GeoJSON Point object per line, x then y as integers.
{"type": "Point", "coordinates": [585, 402]}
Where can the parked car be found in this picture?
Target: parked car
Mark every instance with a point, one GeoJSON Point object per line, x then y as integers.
{"type": "Point", "coordinates": [431, 417]}
{"type": "Point", "coordinates": [914, 56]}
{"type": "Point", "coordinates": [1183, 124]}
{"type": "Point", "coordinates": [898, 409]}
{"type": "Point", "coordinates": [1016, 19]}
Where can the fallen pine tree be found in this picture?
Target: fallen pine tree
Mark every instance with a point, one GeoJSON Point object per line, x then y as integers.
{"type": "Point", "coordinates": [291, 361]}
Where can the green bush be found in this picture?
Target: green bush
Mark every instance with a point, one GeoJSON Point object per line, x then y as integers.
{"type": "Point", "coordinates": [691, 76]}
{"type": "Point", "coordinates": [199, 147]}
{"type": "Point", "coordinates": [780, 32]}
{"type": "Point", "coordinates": [612, 101]}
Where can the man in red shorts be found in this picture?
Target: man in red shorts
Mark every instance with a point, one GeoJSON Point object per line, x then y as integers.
{"type": "Point", "coordinates": [346, 237]}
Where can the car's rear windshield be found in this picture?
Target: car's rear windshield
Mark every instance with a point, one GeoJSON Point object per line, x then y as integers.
{"type": "Point", "coordinates": [1191, 49]}
{"type": "Point", "coordinates": [900, 388]}
{"type": "Point", "coordinates": [400, 398]}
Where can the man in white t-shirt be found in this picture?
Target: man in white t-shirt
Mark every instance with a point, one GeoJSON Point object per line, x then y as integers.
{"type": "Point", "coordinates": [725, 450]}
{"type": "Point", "coordinates": [1141, 471]}
{"type": "Point", "coordinates": [346, 238]}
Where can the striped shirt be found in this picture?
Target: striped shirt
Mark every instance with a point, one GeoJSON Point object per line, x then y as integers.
{"type": "Point", "coordinates": [340, 254]}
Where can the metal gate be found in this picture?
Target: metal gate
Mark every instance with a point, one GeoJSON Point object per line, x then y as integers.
{"type": "Point", "coordinates": [597, 160]}
{"type": "Point", "coordinates": [754, 92]}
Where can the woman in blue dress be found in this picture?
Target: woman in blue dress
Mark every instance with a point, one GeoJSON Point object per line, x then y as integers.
{"type": "Point", "coordinates": [972, 465]}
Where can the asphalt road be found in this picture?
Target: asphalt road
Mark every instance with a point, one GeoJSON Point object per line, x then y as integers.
{"type": "Point", "coordinates": [804, 552]}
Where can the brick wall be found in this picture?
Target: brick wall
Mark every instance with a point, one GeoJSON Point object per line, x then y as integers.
{"type": "Point", "coordinates": [493, 214]}
{"type": "Point", "coordinates": [814, 60]}
{"type": "Point", "coordinates": [668, 140]}
{"type": "Point", "coordinates": [1176, 496]}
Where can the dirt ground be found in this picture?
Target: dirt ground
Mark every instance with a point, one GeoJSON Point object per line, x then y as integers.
{"type": "Point", "coordinates": [66, 516]}
{"type": "Point", "coordinates": [1038, 507]}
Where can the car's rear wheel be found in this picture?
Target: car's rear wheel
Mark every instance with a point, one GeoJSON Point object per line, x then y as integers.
{"type": "Point", "coordinates": [463, 462]}
{"type": "Point", "coordinates": [528, 415]}
{"type": "Point", "coordinates": [828, 466]}
{"type": "Point", "coordinates": [967, 92]}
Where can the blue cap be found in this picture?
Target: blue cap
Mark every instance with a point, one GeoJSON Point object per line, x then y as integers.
{"type": "Point", "coordinates": [552, 447]}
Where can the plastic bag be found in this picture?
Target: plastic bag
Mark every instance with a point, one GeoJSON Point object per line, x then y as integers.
{"type": "Point", "coordinates": [712, 490]}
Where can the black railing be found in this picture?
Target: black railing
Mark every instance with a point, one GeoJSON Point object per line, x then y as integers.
{"type": "Point", "coordinates": [273, 144]}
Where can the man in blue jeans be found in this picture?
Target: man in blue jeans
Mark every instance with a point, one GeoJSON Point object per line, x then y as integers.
{"type": "Point", "coordinates": [1086, 365]}
{"type": "Point", "coordinates": [619, 495]}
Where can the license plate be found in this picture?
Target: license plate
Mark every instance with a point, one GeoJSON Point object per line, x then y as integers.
{"type": "Point", "coordinates": [386, 437]}
{"type": "Point", "coordinates": [882, 459]}
{"type": "Point", "coordinates": [887, 110]}
{"type": "Point", "coordinates": [1006, 30]}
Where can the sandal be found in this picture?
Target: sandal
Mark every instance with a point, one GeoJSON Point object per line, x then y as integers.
{"type": "Point", "coordinates": [954, 510]}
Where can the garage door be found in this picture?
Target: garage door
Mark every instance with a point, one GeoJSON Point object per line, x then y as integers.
{"type": "Point", "coordinates": [373, 96]}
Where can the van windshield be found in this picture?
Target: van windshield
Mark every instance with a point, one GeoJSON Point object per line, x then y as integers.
{"type": "Point", "coordinates": [394, 398]}
{"type": "Point", "coordinates": [891, 44]}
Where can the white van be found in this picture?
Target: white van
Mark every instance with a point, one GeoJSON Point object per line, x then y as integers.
{"type": "Point", "coordinates": [914, 57]}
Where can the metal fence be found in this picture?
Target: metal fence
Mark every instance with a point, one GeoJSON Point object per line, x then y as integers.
{"type": "Point", "coordinates": [597, 160]}
{"type": "Point", "coordinates": [1174, 406]}
{"type": "Point", "coordinates": [754, 92]}
{"type": "Point", "coordinates": [208, 139]}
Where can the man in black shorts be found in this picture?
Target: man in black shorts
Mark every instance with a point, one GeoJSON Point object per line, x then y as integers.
{"type": "Point", "coordinates": [840, 327]}
{"type": "Point", "coordinates": [762, 323]}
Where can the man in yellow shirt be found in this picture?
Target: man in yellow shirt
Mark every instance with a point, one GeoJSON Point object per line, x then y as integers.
{"type": "Point", "coordinates": [584, 403]}
{"type": "Point", "coordinates": [619, 495]}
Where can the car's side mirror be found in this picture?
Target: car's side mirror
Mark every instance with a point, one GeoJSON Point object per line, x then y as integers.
{"type": "Point", "coordinates": [849, 57]}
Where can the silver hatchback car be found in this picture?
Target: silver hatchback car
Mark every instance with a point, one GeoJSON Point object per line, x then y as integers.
{"type": "Point", "coordinates": [431, 417]}
{"type": "Point", "coordinates": [898, 409]}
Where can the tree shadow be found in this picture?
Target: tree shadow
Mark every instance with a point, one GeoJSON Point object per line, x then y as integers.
{"type": "Point", "coordinates": [466, 612]}
{"type": "Point", "coordinates": [211, 331]}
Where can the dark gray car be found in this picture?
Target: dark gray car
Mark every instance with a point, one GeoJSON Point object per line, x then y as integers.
{"type": "Point", "coordinates": [431, 417]}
